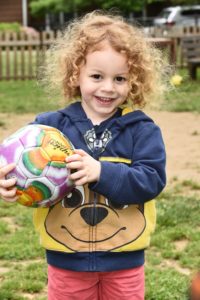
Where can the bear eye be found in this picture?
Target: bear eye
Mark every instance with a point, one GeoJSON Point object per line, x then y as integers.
{"type": "Point", "coordinates": [74, 199]}
{"type": "Point", "coordinates": [115, 205]}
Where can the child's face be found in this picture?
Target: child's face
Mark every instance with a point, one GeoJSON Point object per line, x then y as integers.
{"type": "Point", "coordinates": [103, 83]}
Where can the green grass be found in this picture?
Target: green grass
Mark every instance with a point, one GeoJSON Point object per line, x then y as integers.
{"type": "Point", "coordinates": [10, 27]}
{"type": "Point", "coordinates": [165, 284]}
{"type": "Point", "coordinates": [186, 97]}
{"type": "Point", "coordinates": [18, 239]}
{"type": "Point", "coordinates": [22, 263]}
{"type": "Point", "coordinates": [170, 267]}
{"type": "Point", "coordinates": [24, 97]}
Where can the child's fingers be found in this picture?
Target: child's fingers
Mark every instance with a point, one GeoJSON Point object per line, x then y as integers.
{"type": "Point", "coordinates": [80, 152]}
{"type": "Point", "coordinates": [77, 175]}
{"type": "Point", "coordinates": [9, 195]}
{"type": "Point", "coordinates": [10, 199]}
{"type": "Point", "coordinates": [74, 165]}
{"type": "Point", "coordinates": [78, 155]}
{"type": "Point", "coordinates": [73, 157]}
{"type": "Point", "coordinates": [80, 181]}
{"type": "Point", "coordinates": [7, 183]}
{"type": "Point", "coordinates": [7, 189]}
{"type": "Point", "coordinates": [4, 170]}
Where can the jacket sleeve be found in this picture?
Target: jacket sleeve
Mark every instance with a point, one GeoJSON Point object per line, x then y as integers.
{"type": "Point", "coordinates": [144, 179]}
{"type": "Point", "coordinates": [47, 118]}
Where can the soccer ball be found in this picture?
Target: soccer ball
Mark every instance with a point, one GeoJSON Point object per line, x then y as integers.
{"type": "Point", "coordinates": [39, 153]}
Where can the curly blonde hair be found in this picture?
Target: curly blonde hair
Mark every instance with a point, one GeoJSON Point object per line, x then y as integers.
{"type": "Point", "coordinates": [68, 54]}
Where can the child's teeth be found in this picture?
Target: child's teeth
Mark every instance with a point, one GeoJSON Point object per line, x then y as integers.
{"type": "Point", "coordinates": [105, 99]}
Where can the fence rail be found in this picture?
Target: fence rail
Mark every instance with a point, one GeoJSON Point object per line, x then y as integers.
{"type": "Point", "coordinates": [172, 31]}
{"type": "Point", "coordinates": [21, 53]}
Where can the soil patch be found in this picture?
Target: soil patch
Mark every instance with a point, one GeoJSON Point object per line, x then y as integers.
{"type": "Point", "coordinates": [181, 133]}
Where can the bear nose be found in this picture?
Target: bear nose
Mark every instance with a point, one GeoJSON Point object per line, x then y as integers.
{"type": "Point", "coordinates": [93, 215]}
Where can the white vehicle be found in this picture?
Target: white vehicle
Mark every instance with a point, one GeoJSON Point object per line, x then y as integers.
{"type": "Point", "coordinates": [178, 16]}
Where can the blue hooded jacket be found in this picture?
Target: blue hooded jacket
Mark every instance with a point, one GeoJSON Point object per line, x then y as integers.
{"type": "Point", "coordinates": [106, 225]}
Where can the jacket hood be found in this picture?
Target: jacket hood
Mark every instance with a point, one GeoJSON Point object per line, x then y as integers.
{"type": "Point", "coordinates": [76, 114]}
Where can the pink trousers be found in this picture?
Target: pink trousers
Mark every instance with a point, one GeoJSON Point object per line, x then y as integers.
{"type": "Point", "coordinates": [116, 285]}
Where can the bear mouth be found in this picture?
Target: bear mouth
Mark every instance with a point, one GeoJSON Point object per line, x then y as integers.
{"type": "Point", "coordinates": [94, 241]}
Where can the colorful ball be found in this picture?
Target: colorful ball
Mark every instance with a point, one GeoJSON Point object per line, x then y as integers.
{"type": "Point", "coordinates": [39, 153]}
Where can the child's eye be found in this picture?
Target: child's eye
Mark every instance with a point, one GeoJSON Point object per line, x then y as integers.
{"type": "Point", "coordinates": [120, 79]}
{"type": "Point", "coordinates": [96, 76]}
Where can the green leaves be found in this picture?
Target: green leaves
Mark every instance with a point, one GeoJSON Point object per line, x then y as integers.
{"type": "Point", "coordinates": [39, 7]}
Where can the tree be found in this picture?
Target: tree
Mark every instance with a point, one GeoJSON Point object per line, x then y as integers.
{"type": "Point", "coordinates": [40, 7]}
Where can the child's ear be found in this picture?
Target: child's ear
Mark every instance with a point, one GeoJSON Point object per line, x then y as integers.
{"type": "Point", "coordinates": [77, 82]}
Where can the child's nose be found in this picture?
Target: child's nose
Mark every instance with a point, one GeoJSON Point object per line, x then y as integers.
{"type": "Point", "coordinates": [108, 85]}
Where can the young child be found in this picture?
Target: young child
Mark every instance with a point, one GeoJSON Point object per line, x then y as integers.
{"type": "Point", "coordinates": [95, 237]}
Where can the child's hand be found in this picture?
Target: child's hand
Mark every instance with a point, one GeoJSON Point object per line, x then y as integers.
{"type": "Point", "coordinates": [7, 189]}
{"type": "Point", "coordinates": [87, 169]}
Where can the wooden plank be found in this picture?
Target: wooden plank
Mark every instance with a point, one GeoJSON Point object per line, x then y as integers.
{"type": "Point", "coordinates": [7, 51]}
{"type": "Point", "coordinates": [15, 66]}
{"type": "Point", "coordinates": [1, 58]}
{"type": "Point", "coordinates": [191, 46]}
{"type": "Point", "coordinates": [29, 59]}
{"type": "Point", "coordinates": [191, 52]}
{"type": "Point", "coordinates": [0, 63]}
{"type": "Point", "coordinates": [22, 36]}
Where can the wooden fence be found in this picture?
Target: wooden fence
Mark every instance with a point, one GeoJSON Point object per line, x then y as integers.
{"type": "Point", "coordinates": [173, 32]}
{"type": "Point", "coordinates": [21, 53]}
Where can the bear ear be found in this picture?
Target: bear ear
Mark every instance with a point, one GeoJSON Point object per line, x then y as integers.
{"type": "Point", "coordinates": [141, 208]}
{"type": "Point", "coordinates": [194, 291]}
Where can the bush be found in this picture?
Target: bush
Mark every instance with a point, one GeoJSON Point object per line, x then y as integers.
{"type": "Point", "coordinates": [5, 27]}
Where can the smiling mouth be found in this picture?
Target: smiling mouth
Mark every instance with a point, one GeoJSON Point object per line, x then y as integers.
{"type": "Point", "coordinates": [105, 100]}
{"type": "Point", "coordinates": [97, 241]}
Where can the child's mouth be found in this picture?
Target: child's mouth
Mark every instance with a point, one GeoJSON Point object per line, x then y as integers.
{"type": "Point", "coordinates": [104, 100]}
